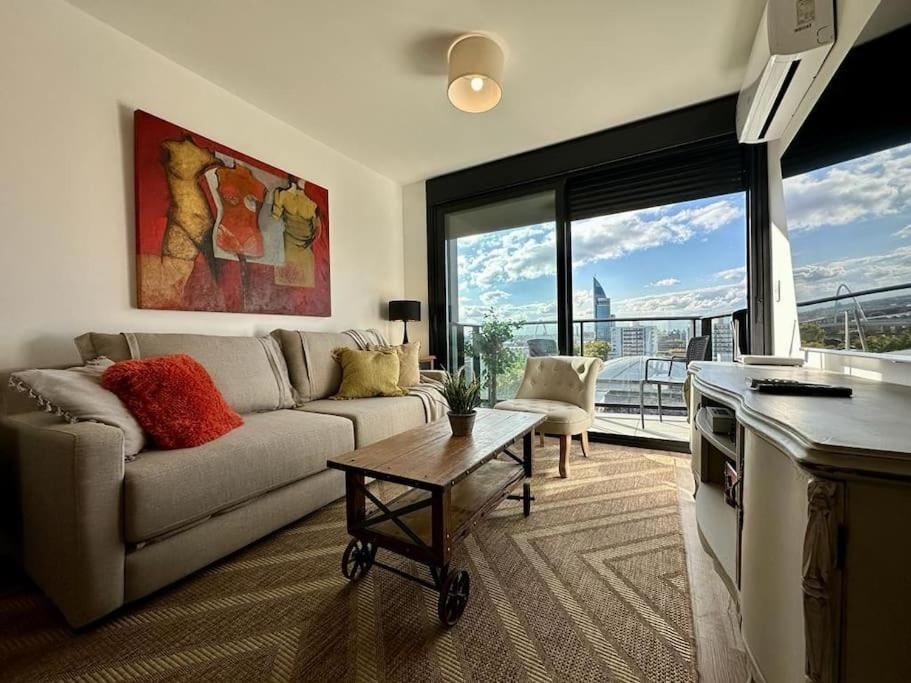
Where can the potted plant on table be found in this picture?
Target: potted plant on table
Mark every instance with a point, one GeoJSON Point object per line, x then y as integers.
{"type": "Point", "coordinates": [463, 396]}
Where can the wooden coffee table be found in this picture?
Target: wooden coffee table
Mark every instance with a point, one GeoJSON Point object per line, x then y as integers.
{"type": "Point", "coordinates": [454, 480]}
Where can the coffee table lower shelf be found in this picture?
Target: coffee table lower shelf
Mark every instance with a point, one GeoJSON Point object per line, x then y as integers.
{"type": "Point", "coordinates": [423, 524]}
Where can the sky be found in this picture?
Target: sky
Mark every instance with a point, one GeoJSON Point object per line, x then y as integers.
{"type": "Point", "coordinates": [850, 223]}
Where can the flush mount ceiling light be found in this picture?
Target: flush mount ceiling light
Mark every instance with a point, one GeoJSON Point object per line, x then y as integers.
{"type": "Point", "coordinates": [475, 73]}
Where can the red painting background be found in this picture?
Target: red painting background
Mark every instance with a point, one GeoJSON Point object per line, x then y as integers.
{"type": "Point", "coordinates": [202, 291]}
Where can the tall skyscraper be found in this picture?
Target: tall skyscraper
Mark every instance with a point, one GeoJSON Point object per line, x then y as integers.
{"type": "Point", "coordinates": [602, 310]}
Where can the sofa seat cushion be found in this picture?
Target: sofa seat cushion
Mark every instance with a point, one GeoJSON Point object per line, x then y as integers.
{"type": "Point", "coordinates": [167, 490]}
{"type": "Point", "coordinates": [562, 418]}
{"type": "Point", "coordinates": [374, 419]}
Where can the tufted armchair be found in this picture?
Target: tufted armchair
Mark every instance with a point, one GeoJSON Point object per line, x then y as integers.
{"type": "Point", "coordinates": [563, 388]}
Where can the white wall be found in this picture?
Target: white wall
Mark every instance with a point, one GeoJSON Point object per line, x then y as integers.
{"type": "Point", "coordinates": [785, 331]}
{"type": "Point", "coordinates": [875, 366]}
{"type": "Point", "coordinates": [414, 220]}
{"type": "Point", "coordinates": [68, 87]}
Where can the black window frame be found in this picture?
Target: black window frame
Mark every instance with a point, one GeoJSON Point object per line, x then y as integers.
{"type": "Point", "coordinates": [556, 166]}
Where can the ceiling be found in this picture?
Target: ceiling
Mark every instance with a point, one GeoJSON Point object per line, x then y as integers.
{"type": "Point", "coordinates": [369, 78]}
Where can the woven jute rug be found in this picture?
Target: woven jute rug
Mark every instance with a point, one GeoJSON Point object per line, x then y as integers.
{"type": "Point", "coordinates": [591, 587]}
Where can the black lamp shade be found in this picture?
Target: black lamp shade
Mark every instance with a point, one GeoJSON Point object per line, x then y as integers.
{"type": "Point", "coordinates": [405, 310]}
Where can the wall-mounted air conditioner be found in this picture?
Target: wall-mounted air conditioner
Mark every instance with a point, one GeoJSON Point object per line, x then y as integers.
{"type": "Point", "coordinates": [792, 41]}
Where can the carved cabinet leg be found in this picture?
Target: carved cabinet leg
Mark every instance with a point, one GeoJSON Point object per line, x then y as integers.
{"type": "Point", "coordinates": [821, 580]}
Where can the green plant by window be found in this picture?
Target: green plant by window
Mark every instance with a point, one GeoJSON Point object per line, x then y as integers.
{"type": "Point", "coordinates": [490, 342]}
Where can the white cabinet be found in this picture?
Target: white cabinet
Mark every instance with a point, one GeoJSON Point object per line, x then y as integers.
{"type": "Point", "coordinates": [815, 542]}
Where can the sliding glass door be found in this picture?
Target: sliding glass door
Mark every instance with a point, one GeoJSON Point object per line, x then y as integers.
{"type": "Point", "coordinates": [501, 288]}
{"type": "Point", "coordinates": [628, 261]}
{"type": "Point", "coordinates": [645, 282]}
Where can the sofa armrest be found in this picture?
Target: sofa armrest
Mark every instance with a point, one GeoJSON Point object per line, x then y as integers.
{"type": "Point", "coordinates": [71, 482]}
{"type": "Point", "coordinates": [435, 375]}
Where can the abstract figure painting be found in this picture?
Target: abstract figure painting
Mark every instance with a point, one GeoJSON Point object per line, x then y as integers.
{"type": "Point", "coordinates": [219, 231]}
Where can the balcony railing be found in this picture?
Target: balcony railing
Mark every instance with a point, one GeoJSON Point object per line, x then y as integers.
{"type": "Point", "coordinates": [876, 320]}
{"type": "Point", "coordinates": [622, 342]}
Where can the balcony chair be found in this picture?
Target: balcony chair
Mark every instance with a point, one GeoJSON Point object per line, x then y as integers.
{"type": "Point", "coordinates": [563, 388]}
{"type": "Point", "coordinates": [696, 349]}
{"type": "Point", "coordinates": [542, 347]}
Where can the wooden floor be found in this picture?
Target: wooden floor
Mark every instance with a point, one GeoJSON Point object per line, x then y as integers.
{"type": "Point", "coordinates": [672, 427]}
{"type": "Point", "coordinates": [720, 652]}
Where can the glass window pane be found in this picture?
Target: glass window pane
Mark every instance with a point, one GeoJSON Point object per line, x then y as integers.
{"type": "Point", "coordinates": [643, 281]}
{"type": "Point", "coordinates": [502, 289]}
{"type": "Point", "coordinates": [849, 227]}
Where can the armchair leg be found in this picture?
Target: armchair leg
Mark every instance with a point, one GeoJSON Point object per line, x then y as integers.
{"type": "Point", "coordinates": [642, 403]}
{"type": "Point", "coordinates": [585, 443]}
{"type": "Point", "coordinates": [564, 455]}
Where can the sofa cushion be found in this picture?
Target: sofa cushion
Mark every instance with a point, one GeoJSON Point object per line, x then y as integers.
{"type": "Point", "coordinates": [167, 490]}
{"type": "Point", "coordinates": [250, 372]}
{"type": "Point", "coordinates": [374, 419]}
{"type": "Point", "coordinates": [409, 362]}
{"type": "Point", "coordinates": [173, 398]}
{"type": "Point", "coordinates": [76, 395]}
{"type": "Point", "coordinates": [313, 370]}
{"type": "Point", "coordinates": [366, 374]}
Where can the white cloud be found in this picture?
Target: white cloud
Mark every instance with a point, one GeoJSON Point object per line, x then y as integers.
{"type": "Point", "coordinates": [583, 303]}
{"type": "Point", "coordinates": [737, 273]}
{"type": "Point", "coordinates": [528, 253]}
{"type": "Point", "coordinates": [493, 297]}
{"type": "Point", "coordinates": [507, 256]}
{"type": "Point", "coordinates": [666, 282]}
{"type": "Point", "coordinates": [821, 279]}
{"type": "Point", "coordinates": [611, 237]}
{"type": "Point", "coordinates": [903, 233]}
{"type": "Point", "coordinates": [869, 187]}
{"type": "Point", "coordinates": [520, 312]}
{"type": "Point", "coordinates": [718, 299]}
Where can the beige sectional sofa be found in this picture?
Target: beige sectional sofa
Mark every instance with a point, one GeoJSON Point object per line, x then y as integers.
{"type": "Point", "coordinates": [97, 532]}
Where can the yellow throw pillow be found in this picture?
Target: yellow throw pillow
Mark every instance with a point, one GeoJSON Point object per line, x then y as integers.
{"type": "Point", "coordinates": [409, 362]}
{"type": "Point", "coordinates": [368, 373]}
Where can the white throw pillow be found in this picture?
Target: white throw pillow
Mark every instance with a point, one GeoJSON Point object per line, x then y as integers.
{"type": "Point", "coordinates": [76, 395]}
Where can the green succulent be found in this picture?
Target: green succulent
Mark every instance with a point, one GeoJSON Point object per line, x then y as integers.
{"type": "Point", "coordinates": [462, 394]}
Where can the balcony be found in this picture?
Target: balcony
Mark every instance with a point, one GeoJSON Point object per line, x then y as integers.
{"type": "Point", "coordinates": [623, 344]}
{"type": "Point", "coordinates": [872, 320]}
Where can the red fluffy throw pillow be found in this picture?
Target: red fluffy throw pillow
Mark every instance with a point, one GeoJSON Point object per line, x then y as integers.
{"type": "Point", "coordinates": [173, 399]}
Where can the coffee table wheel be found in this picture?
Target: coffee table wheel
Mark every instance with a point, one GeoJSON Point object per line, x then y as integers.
{"type": "Point", "coordinates": [357, 560]}
{"type": "Point", "coordinates": [453, 597]}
